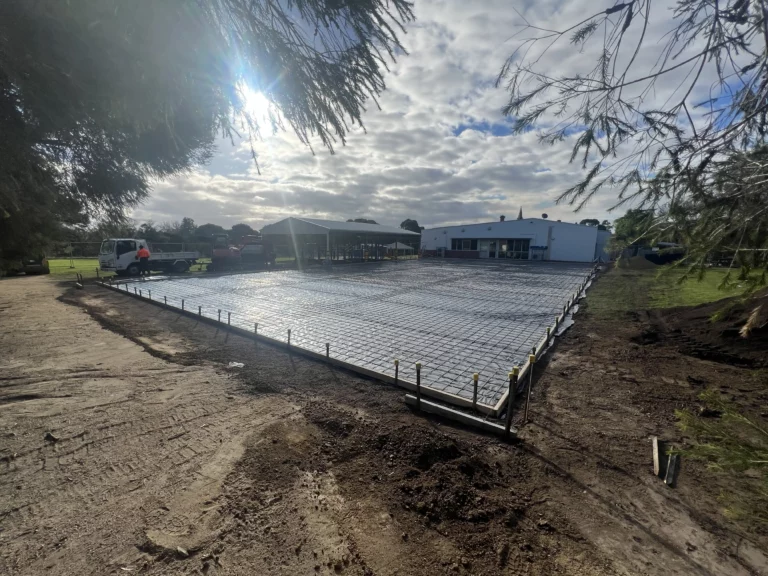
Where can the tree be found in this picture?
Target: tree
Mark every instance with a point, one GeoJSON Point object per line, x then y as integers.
{"type": "Point", "coordinates": [98, 97]}
{"type": "Point", "coordinates": [632, 227]}
{"type": "Point", "coordinates": [187, 228]}
{"type": "Point", "coordinates": [695, 158]}
{"type": "Point", "coordinates": [207, 231]}
{"type": "Point", "coordinates": [239, 231]}
{"type": "Point", "coordinates": [590, 222]}
{"type": "Point", "coordinates": [363, 221]}
{"type": "Point", "coordinates": [605, 225]}
{"type": "Point", "coordinates": [411, 225]}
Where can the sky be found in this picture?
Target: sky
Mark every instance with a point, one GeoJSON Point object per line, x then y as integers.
{"type": "Point", "coordinates": [439, 150]}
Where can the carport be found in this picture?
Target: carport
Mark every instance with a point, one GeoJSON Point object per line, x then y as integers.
{"type": "Point", "coordinates": [309, 238]}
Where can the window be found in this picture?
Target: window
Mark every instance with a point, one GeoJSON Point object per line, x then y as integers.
{"type": "Point", "coordinates": [517, 248]}
{"type": "Point", "coordinates": [124, 246]}
{"type": "Point", "coordinates": [463, 244]}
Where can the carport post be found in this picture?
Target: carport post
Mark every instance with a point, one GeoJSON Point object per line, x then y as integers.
{"type": "Point", "coordinates": [511, 399]}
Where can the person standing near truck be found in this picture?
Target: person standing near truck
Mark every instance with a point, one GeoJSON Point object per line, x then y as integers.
{"type": "Point", "coordinates": [143, 257]}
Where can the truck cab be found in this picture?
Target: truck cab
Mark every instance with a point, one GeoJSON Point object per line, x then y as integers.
{"type": "Point", "coordinates": [118, 255]}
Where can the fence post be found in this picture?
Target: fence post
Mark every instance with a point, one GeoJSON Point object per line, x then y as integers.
{"type": "Point", "coordinates": [511, 399]}
{"type": "Point", "coordinates": [418, 386]}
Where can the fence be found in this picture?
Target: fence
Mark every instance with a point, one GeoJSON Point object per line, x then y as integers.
{"type": "Point", "coordinates": [78, 250]}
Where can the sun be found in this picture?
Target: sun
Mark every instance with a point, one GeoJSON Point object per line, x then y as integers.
{"type": "Point", "coordinates": [256, 105]}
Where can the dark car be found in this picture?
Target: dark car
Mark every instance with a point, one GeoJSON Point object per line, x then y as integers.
{"type": "Point", "coordinates": [35, 265]}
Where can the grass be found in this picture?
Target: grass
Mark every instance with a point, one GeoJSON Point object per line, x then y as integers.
{"type": "Point", "coordinates": [631, 288]}
{"type": "Point", "coordinates": [60, 267]}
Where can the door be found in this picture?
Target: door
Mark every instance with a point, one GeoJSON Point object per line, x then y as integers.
{"type": "Point", "coordinates": [492, 249]}
{"type": "Point", "coordinates": [125, 250]}
{"type": "Point", "coordinates": [484, 247]}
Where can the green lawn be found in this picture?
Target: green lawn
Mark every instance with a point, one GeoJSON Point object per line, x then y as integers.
{"type": "Point", "coordinates": [624, 289]}
{"type": "Point", "coordinates": [87, 267]}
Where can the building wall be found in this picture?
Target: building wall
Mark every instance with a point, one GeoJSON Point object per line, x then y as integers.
{"type": "Point", "coordinates": [567, 242]}
{"type": "Point", "coordinates": [601, 253]}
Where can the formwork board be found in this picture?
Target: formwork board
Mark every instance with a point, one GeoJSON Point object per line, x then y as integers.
{"type": "Point", "coordinates": [454, 317]}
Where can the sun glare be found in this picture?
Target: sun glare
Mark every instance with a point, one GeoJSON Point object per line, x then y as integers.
{"type": "Point", "coordinates": [255, 104]}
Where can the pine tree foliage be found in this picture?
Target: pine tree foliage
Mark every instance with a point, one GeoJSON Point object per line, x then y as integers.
{"type": "Point", "coordinates": [100, 97]}
{"type": "Point", "coordinates": [698, 165]}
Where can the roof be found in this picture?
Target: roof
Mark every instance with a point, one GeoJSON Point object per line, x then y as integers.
{"type": "Point", "coordinates": [507, 223]}
{"type": "Point", "coordinates": [314, 226]}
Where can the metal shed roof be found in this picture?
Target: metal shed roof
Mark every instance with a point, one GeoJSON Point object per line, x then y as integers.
{"type": "Point", "coordinates": [294, 225]}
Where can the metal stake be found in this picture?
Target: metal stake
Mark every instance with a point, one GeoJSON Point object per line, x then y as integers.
{"type": "Point", "coordinates": [165, 300]}
{"type": "Point", "coordinates": [327, 349]}
{"type": "Point", "coordinates": [219, 315]}
{"type": "Point", "coordinates": [397, 371]}
{"type": "Point", "coordinates": [199, 310]}
{"type": "Point", "coordinates": [418, 385]}
{"type": "Point", "coordinates": [475, 378]}
{"type": "Point", "coordinates": [135, 290]}
{"type": "Point", "coordinates": [546, 343]}
{"type": "Point", "coordinates": [229, 315]}
{"type": "Point", "coordinates": [511, 399]}
{"type": "Point", "coordinates": [150, 294]}
{"type": "Point", "coordinates": [531, 362]}
{"type": "Point", "coordinates": [182, 304]}
{"type": "Point", "coordinates": [289, 336]}
{"type": "Point", "coordinates": [140, 294]}
{"type": "Point", "coordinates": [255, 327]}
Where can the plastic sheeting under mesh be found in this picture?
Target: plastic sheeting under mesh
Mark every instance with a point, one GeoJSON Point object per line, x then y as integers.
{"type": "Point", "coordinates": [455, 318]}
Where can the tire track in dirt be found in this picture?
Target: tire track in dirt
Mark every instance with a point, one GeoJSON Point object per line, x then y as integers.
{"type": "Point", "coordinates": [107, 437]}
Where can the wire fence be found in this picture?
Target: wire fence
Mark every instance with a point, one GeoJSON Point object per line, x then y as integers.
{"type": "Point", "coordinates": [79, 250]}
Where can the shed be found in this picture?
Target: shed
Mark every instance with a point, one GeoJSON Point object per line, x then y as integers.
{"type": "Point", "coordinates": [309, 238]}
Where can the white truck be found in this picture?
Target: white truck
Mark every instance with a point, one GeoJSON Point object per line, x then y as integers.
{"type": "Point", "coordinates": [118, 255]}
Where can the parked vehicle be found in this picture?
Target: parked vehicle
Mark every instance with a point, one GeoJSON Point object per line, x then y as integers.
{"type": "Point", "coordinates": [28, 263]}
{"type": "Point", "coordinates": [253, 253]}
{"type": "Point", "coordinates": [119, 255]}
{"type": "Point", "coordinates": [35, 265]}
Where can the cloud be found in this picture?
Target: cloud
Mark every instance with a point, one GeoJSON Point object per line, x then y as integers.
{"type": "Point", "coordinates": [438, 151]}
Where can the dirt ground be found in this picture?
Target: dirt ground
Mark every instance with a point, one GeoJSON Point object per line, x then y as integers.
{"type": "Point", "coordinates": [126, 445]}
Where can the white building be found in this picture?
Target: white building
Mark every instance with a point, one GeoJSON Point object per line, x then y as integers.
{"type": "Point", "coordinates": [521, 239]}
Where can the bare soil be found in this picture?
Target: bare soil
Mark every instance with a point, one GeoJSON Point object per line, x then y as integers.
{"type": "Point", "coordinates": [126, 445]}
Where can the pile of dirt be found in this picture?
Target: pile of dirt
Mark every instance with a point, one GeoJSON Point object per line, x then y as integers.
{"type": "Point", "coordinates": [713, 331]}
{"type": "Point", "coordinates": [486, 500]}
